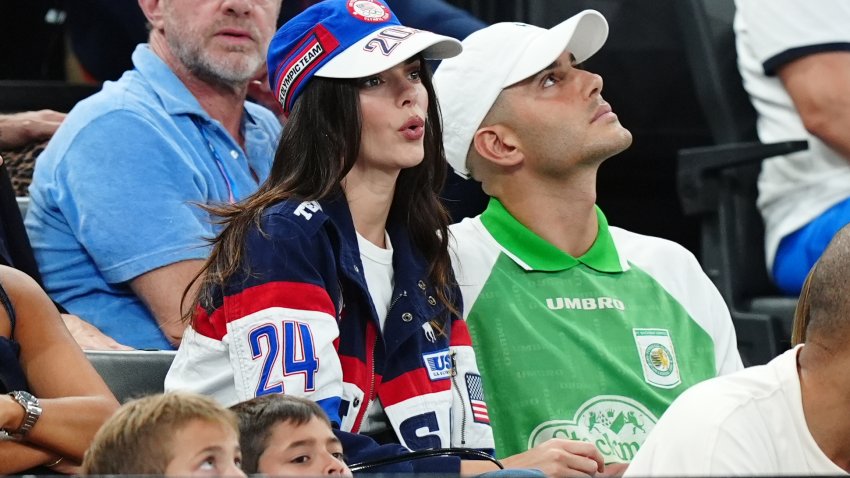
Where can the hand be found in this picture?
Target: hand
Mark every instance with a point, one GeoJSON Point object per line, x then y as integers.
{"type": "Point", "coordinates": [67, 467]}
{"type": "Point", "coordinates": [88, 337]}
{"type": "Point", "coordinates": [11, 413]}
{"type": "Point", "coordinates": [558, 457]}
{"type": "Point", "coordinates": [615, 469]}
{"type": "Point", "coordinates": [19, 129]}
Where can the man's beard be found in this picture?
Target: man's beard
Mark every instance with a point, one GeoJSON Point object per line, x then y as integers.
{"type": "Point", "coordinates": [233, 70]}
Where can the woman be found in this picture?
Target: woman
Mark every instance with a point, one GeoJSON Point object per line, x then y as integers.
{"type": "Point", "coordinates": [52, 401]}
{"type": "Point", "coordinates": [330, 281]}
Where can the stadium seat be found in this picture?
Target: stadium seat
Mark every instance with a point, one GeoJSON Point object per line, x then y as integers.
{"type": "Point", "coordinates": [23, 205]}
{"type": "Point", "coordinates": [132, 374]}
{"type": "Point", "coordinates": [718, 183]}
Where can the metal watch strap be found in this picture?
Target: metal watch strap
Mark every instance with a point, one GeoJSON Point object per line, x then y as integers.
{"type": "Point", "coordinates": [32, 412]}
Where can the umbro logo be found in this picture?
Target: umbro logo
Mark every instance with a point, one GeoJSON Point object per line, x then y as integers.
{"type": "Point", "coordinates": [586, 303]}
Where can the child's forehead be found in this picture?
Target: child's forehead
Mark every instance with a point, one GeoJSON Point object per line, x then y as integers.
{"type": "Point", "coordinates": [207, 428]}
{"type": "Point", "coordinates": [314, 422]}
{"type": "Point", "coordinates": [290, 431]}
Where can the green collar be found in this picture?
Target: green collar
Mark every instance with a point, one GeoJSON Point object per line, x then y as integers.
{"type": "Point", "coordinates": [535, 253]}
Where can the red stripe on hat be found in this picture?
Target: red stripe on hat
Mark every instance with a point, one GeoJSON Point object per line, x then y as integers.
{"type": "Point", "coordinates": [318, 35]}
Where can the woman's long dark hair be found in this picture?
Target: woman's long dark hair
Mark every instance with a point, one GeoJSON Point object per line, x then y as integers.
{"type": "Point", "coordinates": [324, 126]}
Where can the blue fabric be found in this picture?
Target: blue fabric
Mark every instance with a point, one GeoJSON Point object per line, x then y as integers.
{"type": "Point", "coordinates": [363, 449]}
{"type": "Point", "coordinates": [113, 194]}
{"type": "Point", "coordinates": [436, 16]}
{"type": "Point", "coordinates": [514, 473]}
{"type": "Point", "coordinates": [798, 252]}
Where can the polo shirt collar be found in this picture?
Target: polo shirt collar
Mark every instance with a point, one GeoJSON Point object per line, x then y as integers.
{"type": "Point", "coordinates": [176, 98]}
{"type": "Point", "coordinates": [532, 252]}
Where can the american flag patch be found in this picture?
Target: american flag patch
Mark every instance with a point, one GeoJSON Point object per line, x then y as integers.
{"type": "Point", "coordinates": [476, 398]}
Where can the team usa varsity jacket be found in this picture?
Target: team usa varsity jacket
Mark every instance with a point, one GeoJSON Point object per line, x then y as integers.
{"type": "Point", "coordinates": [301, 321]}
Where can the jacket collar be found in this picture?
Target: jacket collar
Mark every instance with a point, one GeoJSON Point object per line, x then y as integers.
{"type": "Point", "coordinates": [412, 288]}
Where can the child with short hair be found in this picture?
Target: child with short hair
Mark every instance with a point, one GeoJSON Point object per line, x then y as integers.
{"type": "Point", "coordinates": [171, 434]}
{"type": "Point", "coordinates": [283, 435]}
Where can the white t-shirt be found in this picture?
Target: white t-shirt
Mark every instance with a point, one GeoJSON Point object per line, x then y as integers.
{"type": "Point", "coordinates": [793, 189]}
{"type": "Point", "coordinates": [378, 269]}
{"type": "Point", "coordinates": [747, 423]}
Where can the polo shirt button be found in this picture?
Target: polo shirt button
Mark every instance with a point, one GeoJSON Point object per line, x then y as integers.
{"type": "Point", "coordinates": [407, 316]}
{"type": "Point", "coordinates": [432, 300]}
{"type": "Point", "coordinates": [356, 269]}
{"type": "Point", "coordinates": [421, 285]}
{"type": "Point", "coordinates": [356, 401]}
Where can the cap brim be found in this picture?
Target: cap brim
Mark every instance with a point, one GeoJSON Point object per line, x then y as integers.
{"type": "Point", "coordinates": [356, 62]}
{"type": "Point", "coordinates": [582, 35]}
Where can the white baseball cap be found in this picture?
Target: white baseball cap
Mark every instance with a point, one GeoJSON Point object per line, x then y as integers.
{"type": "Point", "coordinates": [497, 57]}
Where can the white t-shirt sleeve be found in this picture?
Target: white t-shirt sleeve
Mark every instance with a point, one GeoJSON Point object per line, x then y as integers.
{"type": "Point", "coordinates": [789, 29]}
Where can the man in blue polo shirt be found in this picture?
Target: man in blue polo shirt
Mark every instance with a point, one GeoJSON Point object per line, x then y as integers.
{"type": "Point", "coordinates": [114, 218]}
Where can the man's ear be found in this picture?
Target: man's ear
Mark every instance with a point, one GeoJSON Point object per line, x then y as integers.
{"type": "Point", "coordinates": [153, 11]}
{"type": "Point", "coordinates": [497, 144]}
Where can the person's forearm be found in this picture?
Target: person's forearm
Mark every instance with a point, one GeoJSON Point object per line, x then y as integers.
{"type": "Point", "coordinates": [16, 457]}
{"type": "Point", "coordinates": [67, 425]}
{"type": "Point", "coordinates": [476, 467]}
{"type": "Point", "coordinates": [830, 126]}
{"type": "Point", "coordinates": [817, 85]}
{"type": "Point", "coordinates": [162, 292]}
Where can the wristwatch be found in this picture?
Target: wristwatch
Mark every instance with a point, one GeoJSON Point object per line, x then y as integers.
{"type": "Point", "coordinates": [32, 412]}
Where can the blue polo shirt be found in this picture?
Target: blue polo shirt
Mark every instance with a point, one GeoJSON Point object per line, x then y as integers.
{"type": "Point", "coordinates": [114, 194]}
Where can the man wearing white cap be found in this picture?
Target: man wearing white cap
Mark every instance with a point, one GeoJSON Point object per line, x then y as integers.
{"type": "Point", "coordinates": [593, 329]}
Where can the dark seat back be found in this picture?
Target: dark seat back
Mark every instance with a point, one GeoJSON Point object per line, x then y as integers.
{"type": "Point", "coordinates": [18, 95]}
{"type": "Point", "coordinates": [132, 374]}
{"type": "Point", "coordinates": [732, 230]}
{"type": "Point", "coordinates": [710, 51]}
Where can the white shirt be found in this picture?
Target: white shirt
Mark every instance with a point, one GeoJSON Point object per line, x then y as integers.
{"type": "Point", "coordinates": [747, 423]}
{"type": "Point", "coordinates": [793, 189]}
{"type": "Point", "coordinates": [378, 269]}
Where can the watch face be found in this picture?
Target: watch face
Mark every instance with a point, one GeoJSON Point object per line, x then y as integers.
{"type": "Point", "coordinates": [28, 397]}
{"type": "Point", "coordinates": [32, 411]}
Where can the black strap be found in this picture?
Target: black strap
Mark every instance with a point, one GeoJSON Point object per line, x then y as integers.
{"type": "Point", "coordinates": [19, 251]}
{"type": "Point", "coordinates": [7, 304]}
{"type": "Point", "coordinates": [415, 455]}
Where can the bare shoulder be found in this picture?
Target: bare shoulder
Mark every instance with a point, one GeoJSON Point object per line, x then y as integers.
{"type": "Point", "coordinates": [18, 284]}
{"type": "Point", "coordinates": [34, 311]}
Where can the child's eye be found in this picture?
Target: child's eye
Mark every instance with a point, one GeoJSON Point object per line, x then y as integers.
{"type": "Point", "coordinates": [208, 463]}
{"type": "Point", "coordinates": [339, 456]}
{"type": "Point", "coordinates": [415, 75]}
{"type": "Point", "coordinates": [301, 459]}
{"type": "Point", "coordinates": [549, 81]}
